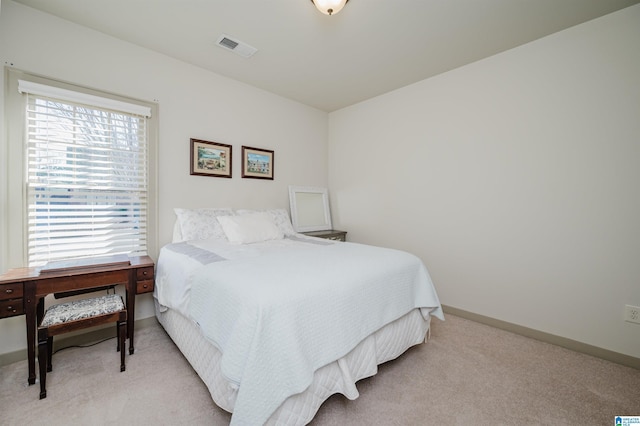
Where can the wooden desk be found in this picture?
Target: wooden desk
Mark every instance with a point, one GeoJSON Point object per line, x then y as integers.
{"type": "Point", "coordinates": [22, 291]}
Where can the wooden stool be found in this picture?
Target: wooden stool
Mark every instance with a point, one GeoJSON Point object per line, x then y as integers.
{"type": "Point", "coordinates": [76, 315]}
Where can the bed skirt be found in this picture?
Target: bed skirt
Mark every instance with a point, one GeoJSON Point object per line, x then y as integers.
{"type": "Point", "coordinates": [337, 377]}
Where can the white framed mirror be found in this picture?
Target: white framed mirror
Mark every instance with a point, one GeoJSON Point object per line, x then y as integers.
{"type": "Point", "coordinates": [309, 208]}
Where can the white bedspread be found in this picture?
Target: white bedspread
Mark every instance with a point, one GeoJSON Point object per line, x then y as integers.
{"type": "Point", "coordinates": [178, 262]}
{"type": "Point", "coordinates": [278, 317]}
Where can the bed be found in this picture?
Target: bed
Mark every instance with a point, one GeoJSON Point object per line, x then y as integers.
{"type": "Point", "coordinates": [274, 322]}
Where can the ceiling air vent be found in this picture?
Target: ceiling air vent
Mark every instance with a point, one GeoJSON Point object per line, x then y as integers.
{"type": "Point", "coordinates": [236, 46]}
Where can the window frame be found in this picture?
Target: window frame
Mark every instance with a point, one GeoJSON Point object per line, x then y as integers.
{"type": "Point", "coordinates": [15, 245]}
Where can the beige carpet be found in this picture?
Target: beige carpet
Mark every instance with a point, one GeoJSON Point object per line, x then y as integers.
{"type": "Point", "coordinates": [467, 374]}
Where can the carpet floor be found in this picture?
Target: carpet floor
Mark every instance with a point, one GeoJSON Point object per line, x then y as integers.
{"type": "Point", "coordinates": [466, 374]}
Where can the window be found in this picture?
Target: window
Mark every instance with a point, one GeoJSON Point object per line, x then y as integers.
{"type": "Point", "coordinates": [88, 181]}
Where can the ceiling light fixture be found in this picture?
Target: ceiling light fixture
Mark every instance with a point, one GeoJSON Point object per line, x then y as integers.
{"type": "Point", "coordinates": [329, 7]}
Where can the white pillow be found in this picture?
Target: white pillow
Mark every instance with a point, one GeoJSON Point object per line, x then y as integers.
{"type": "Point", "coordinates": [280, 218]}
{"type": "Point", "coordinates": [201, 224]}
{"type": "Point", "coordinates": [250, 228]}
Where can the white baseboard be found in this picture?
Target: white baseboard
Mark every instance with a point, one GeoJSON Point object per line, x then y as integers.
{"type": "Point", "coordinates": [61, 342]}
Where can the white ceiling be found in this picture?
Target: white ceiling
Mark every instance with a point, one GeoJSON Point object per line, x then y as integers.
{"type": "Point", "coordinates": [329, 62]}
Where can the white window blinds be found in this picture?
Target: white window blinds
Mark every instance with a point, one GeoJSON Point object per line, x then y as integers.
{"type": "Point", "coordinates": [87, 178]}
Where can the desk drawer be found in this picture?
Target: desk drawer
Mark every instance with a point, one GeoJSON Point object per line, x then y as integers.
{"type": "Point", "coordinates": [144, 273]}
{"type": "Point", "coordinates": [144, 286]}
{"type": "Point", "coordinates": [9, 308]}
{"type": "Point", "coordinates": [10, 291]}
{"type": "Point", "coordinates": [144, 280]}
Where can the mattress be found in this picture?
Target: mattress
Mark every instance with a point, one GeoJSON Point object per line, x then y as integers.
{"type": "Point", "coordinates": [339, 376]}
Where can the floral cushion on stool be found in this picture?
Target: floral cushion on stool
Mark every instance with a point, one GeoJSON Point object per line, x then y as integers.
{"type": "Point", "coordinates": [80, 309]}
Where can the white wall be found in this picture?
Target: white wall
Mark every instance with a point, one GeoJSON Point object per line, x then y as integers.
{"type": "Point", "coordinates": [516, 180]}
{"type": "Point", "coordinates": [193, 103]}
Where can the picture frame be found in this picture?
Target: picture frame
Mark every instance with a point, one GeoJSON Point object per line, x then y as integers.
{"type": "Point", "coordinates": [257, 163]}
{"type": "Point", "coordinates": [210, 158]}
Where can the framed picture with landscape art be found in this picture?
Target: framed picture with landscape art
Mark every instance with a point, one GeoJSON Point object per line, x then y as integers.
{"type": "Point", "coordinates": [257, 163]}
{"type": "Point", "coordinates": [210, 158]}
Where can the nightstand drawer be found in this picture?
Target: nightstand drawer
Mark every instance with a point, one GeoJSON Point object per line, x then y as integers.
{"type": "Point", "coordinates": [330, 234]}
{"type": "Point", "coordinates": [144, 286]}
{"type": "Point", "coordinates": [10, 291]}
{"type": "Point", "coordinates": [9, 308]}
{"type": "Point", "coordinates": [337, 237]}
{"type": "Point", "coordinates": [144, 273]}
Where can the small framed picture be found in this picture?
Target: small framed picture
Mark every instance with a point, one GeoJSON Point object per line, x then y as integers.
{"type": "Point", "coordinates": [210, 158]}
{"type": "Point", "coordinates": [257, 163]}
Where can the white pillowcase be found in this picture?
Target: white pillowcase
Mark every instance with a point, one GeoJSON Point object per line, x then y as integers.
{"type": "Point", "coordinates": [201, 224]}
{"type": "Point", "coordinates": [250, 228]}
{"type": "Point", "coordinates": [280, 218]}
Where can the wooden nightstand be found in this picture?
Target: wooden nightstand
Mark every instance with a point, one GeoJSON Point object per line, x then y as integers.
{"type": "Point", "coordinates": [331, 234]}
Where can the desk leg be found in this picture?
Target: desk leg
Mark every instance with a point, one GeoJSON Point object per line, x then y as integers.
{"type": "Point", "coordinates": [30, 319]}
{"type": "Point", "coordinates": [131, 307]}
